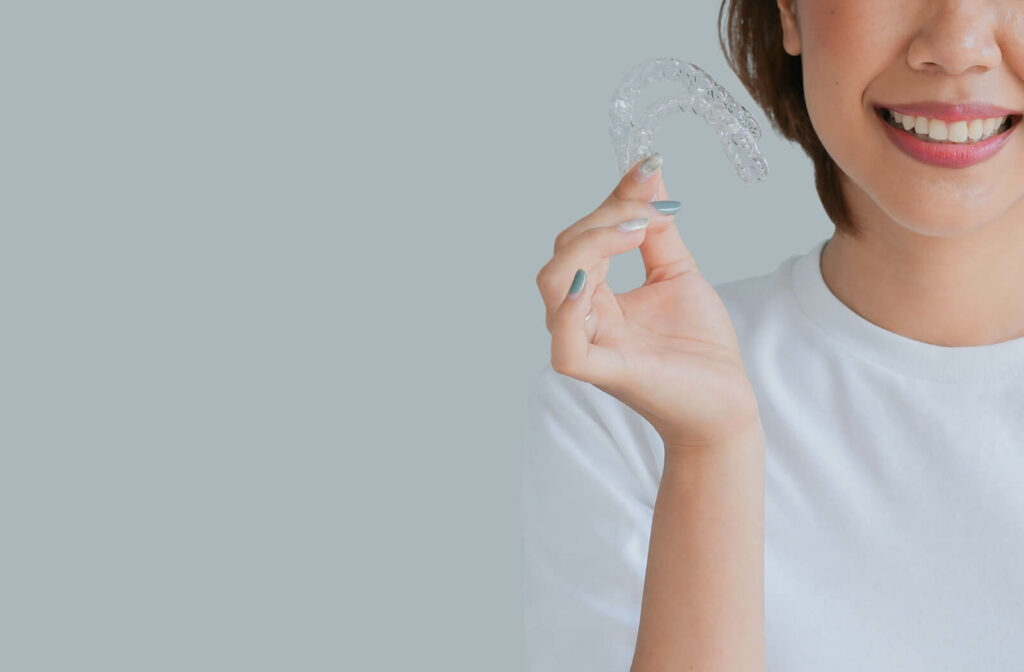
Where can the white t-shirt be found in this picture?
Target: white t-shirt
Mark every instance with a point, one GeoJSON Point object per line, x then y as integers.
{"type": "Point", "coordinates": [894, 496]}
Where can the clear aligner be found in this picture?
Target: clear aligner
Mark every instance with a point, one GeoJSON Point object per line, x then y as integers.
{"type": "Point", "coordinates": [632, 138]}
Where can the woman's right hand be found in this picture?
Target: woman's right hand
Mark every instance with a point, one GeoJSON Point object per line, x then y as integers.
{"type": "Point", "coordinates": [668, 348]}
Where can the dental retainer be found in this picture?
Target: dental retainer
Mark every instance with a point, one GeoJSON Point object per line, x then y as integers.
{"type": "Point", "coordinates": [632, 139]}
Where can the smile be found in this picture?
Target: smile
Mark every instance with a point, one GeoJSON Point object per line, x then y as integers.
{"type": "Point", "coordinates": [965, 131]}
{"type": "Point", "coordinates": [948, 144]}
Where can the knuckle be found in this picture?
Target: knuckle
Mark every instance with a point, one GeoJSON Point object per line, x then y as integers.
{"type": "Point", "coordinates": [631, 207]}
{"type": "Point", "coordinates": [545, 283]}
{"type": "Point", "coordinates": [542, 275]}
{"type": "Point", "coordinates": [569, 246]}
{"type": "Point", "coordinates": [623, 210]}
{"type": "Point", "coordinates": [581, 225]}
{"type": "Point", "coordinates": [560, 364]}
{"type": "Point", "coordinates": [565, 236]}
{"type": "Point", "coordinates": [621, 207]}
{"type": "Point", "coordinates": [589, 238]}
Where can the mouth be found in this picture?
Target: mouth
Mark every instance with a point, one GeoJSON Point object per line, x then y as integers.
{"type": "Point", "coordinates": [953, 142]}
{"type": "Point", "coordinates": [964, 132]}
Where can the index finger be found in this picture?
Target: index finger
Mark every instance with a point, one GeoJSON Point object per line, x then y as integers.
{"type": "Point", "coordinates": [663, 246]}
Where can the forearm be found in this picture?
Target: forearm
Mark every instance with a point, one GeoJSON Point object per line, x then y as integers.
{"type": "Point", "coordinates": [703, 597]}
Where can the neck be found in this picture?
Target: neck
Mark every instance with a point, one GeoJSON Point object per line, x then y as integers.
{"type": "Point", "coordinates": [955, 290]}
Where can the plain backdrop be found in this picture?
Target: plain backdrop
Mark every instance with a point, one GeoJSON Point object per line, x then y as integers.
{"type": "Point", "coordinates": [269, 312]}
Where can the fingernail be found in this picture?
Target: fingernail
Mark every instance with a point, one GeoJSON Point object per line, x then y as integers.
{"type": "Point", "coordinates": [648, 167]}
{"type": "Point", "coordinates": [666, 207]}
{"type": "Point", "coordinates": [633, 225]}
{"type": "Point", "coordinates": [577, 284]}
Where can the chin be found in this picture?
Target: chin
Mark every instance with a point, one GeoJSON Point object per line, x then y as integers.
{"type": "Point", "coordinates": [941, 219]}
{"type": "Point", "coordinates": [941, 212]}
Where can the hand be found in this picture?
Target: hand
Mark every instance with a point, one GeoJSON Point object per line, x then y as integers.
{"type": "Point", "coordinates": [667, 349]}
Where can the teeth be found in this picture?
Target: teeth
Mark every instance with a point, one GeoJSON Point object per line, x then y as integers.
{"type": "Point", "coordinates": [937, 130]}
{"type": "Point", "coordinates": [958, 131]}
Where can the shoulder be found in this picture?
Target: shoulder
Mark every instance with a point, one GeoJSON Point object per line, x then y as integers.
{"type": "Point", "coordinates": [753, 300]}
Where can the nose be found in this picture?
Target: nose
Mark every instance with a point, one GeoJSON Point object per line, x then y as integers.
{"type": "Point", "coordinates": [956, 36]}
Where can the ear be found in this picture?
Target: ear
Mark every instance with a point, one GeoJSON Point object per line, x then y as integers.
{"type": "Point", "coordinates": [790, 27]}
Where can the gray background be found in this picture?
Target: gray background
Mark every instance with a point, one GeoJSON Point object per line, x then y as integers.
{"type": "Point", "coordinates": [269, 313]}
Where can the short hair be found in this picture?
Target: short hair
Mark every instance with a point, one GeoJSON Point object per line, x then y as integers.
{"type": "Point", "coordinates": [750, 34]}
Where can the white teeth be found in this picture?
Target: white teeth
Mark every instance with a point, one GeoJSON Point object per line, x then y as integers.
{"type": "Point", "coordinates": [937, 130]}
{"type": "Point", "coordinates": [958, 131]}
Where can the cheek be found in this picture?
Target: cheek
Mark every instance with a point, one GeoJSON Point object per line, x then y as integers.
{"type": "Point", "coordinates": [846, 38]}
{"type": "Point", "coordinates": [826, 54]}
{"type": "Point", "coordinates": [845, 46]}
{"type": "Point", "coordinates": [845, 28]}
{"type": "Point", "coordinates": [1013, 49]}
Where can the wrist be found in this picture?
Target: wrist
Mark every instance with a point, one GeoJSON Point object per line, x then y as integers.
{"type": "Point", "coordinates": [745, 436]}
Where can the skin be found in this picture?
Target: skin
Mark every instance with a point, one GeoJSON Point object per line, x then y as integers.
{"type": "Point", "coordinates": [941, 259]}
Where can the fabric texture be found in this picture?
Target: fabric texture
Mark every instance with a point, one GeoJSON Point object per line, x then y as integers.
{"type": "Point", "coordinates": [894, 495]}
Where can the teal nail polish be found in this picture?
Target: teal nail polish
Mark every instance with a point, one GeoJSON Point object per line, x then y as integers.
{"type": "Point", "coordinates": [667, 207]}
{"type": "Point", "coordinates": [577, 284]}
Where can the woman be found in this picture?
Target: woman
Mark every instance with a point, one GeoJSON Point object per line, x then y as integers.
{"type": "Point", "coordinates": [819, 468]}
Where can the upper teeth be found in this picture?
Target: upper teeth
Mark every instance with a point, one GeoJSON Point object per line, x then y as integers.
{"type": "Point", "coordinates": [956, 131]}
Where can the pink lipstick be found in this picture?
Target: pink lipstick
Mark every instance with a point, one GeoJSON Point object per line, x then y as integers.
{"type": "Point", "coordinates": [948, 154]}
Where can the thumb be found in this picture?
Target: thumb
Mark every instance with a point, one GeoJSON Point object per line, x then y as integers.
{"type": "Point", "coordinates": [642, 182]}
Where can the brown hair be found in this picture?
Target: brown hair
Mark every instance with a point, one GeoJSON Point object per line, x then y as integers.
{"type": "Point", "coordinates": [750, 34]}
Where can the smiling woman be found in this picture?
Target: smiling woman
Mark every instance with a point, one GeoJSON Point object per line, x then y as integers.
{"type": "Point", "coordinates": [921, 215]}
{"type": "Point", "coordinates": [873, 385]}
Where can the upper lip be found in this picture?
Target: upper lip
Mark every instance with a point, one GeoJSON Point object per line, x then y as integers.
{"type": "Point", "coordinates": [951, 111]}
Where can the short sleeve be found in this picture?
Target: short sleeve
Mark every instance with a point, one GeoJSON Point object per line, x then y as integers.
{"type": "Point", "coordinates": [591, 470]}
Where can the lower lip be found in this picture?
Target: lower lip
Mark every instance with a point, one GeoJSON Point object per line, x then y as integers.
{"type": "Point", "coordinates": [947, 155]}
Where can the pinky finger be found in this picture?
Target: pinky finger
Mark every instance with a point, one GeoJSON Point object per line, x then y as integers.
{"type": "Point", "coordinates": [572, 353]}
